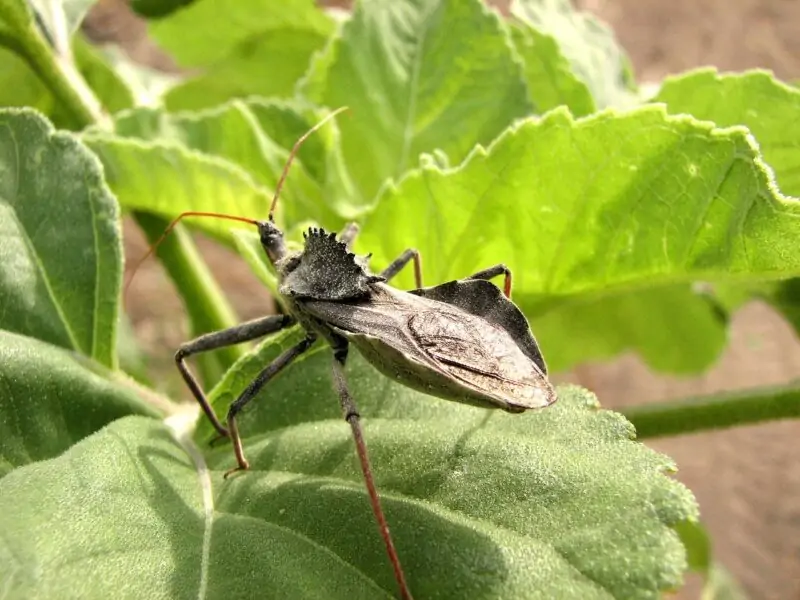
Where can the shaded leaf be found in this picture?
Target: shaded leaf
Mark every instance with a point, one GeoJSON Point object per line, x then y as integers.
{"type": "Point", "coordinates": [672, 328]}
{"type": "Point", "coordinates": [157, 8]}
{"type": "Point", "coordinates": [128, 514]}
{"type": "Point", "coordinates": [588, 44]}
{"type": "Point", "coordinates": [484, 464]}
{"type": "Point", "coordinates": [473, 499]}
{"type": "Point", "coordinates": [50, 400]}
{"type": "Point", "coordinates": [60, 251]}
{"type": "Point", "coordinates": [418, 75]}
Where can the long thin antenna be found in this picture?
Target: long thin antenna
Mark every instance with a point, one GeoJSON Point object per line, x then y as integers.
{"type": "Point", "coordinates": [170, 227]}
{"type": "Point", "coordinates": [292, 154]}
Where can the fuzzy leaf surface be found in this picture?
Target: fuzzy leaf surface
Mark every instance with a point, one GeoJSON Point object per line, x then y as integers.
{"type": "Point", "coordinates": [60, 250]}
{"type": "Point", "coordinates": [418, 75]}
{"type": "Point", "coordinates": [51, 399]}
{"type": "Point", "coordinates": [559, 503]}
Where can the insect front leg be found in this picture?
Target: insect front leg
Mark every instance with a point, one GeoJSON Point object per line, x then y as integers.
{"type": "Point", "coordinates": [401, 261]}
{"type": "Point", "coordinates": [493, 272]}
{"type": "Point", "coordinates": [351, 415]}
{"type": "Point", "coordinates": [272, 369]}
{"type": "Point", "coordinates": [219, 339]}
{"type": "Point", "coordinates": [349, 234]}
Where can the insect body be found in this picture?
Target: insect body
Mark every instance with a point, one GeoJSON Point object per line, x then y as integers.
{"type": "Point", "coordinates": [462, 340]}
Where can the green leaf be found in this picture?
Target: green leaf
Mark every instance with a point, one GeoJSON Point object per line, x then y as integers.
{"type": "Point", "coordinates": [588, 44]}
{"type": "Point", "coordinates": [128, 513]}
{"type": "Point", "coordinates": [606, 205]}
{"type": "Point", "coordinates": [15, 17]}
{"type": "Point", "coordinates": [60, 250]}
{"type": "Point", "coordinates": [766, 106]}
{"type": "Point", "coordinates": [784, 296]}
{"type": "Point", "coordinates": [51, 400]}
{"type": "Point", "coordinates": [551, 82]}
{"type": "Point", "coordinates": [577, 510]}
{"type": "Point", "coordinates": [257, 136]}
{"type": "Point", "coordinates": [264, 66]}
{"type": "Point", "coordinates": [697, 542]}
{"type": "Point", "coordinates": [418, 75]}
{"type": "Point", "coordinates": [19, 85]}
{"type": "Point", "coordinates": [691, 332]}
{"type": "Point", "coordinates": [166, 179]}
{"type": "Point", "coordinates": [257, 48]}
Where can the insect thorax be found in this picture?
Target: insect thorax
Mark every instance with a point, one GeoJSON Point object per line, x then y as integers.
{"type": "Point", "coordinates": [325, 270]}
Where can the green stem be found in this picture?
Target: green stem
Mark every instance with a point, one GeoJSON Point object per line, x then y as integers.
{"type": "Point", "coordinates": [715, 412]}
{"type": "Point", "coordinates": [58, 73]}
{"type": "Point", "coordinates": [206, 305]}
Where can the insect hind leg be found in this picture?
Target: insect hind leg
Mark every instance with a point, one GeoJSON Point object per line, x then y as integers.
{"type": "Point", "coordinates": [493, 272]}
{"type": "Point", "coordinates": [351, 415]}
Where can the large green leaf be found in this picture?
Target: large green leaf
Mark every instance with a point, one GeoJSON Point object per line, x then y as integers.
{"type": "Point", "coordinates": [418, 75]}
{"type": "Point", "coordinates": [550, 80]}
{"type": "Point", "coordinates": [259, 47]}
{"type": "Point", "coordinates": [234, 132]}
{"type": "Point", "coordinates": [51, 400]}
{"type": "Point", "coordinates": [60, 251]}
{"type": "Point", "coordinates": [560, 503]}
{"type": "Point", "coordinates": [605, 205]}
{"type": "Point", "coordinates": [768, 108]}
{"type": "Point", "coordinates": [756, 99]}
{"type": "Point", "coordinates": [589, 46]}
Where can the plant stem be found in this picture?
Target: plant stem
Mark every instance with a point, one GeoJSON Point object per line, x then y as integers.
{"type": "Point", "coordinates": [206, 305]}
{"type": "Point", "coordinates": [57, 72]}
{"type": "Point", "coordinates": [715, 412]}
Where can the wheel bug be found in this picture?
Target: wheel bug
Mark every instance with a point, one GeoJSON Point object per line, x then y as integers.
{"type": "Point", "coordinates": [463, 340]}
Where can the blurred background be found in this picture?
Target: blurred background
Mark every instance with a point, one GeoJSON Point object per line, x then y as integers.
{"type": "Point", "coordinates": [747, 480]}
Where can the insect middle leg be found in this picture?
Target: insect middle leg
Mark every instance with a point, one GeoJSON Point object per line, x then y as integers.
{"type": "Point", "coordinates": [219, 339]}
{"type": "Point", "coordinates": [401, 261]}
{"type": "Point", "coordinates": [493, 272]}
{"type": "Point", "coordinates": [272, 369]}
{"type": "Point", "coordinates": [351, 415]}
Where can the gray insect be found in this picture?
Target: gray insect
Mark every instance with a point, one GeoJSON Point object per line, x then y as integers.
{"type": "Point", "coordinates": [462, 340]}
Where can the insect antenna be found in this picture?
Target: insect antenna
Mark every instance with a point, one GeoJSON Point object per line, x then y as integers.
{"type": "Point", "coordinates": [292, 154]}
{"type": "Point", "coordinates": [190, 213]}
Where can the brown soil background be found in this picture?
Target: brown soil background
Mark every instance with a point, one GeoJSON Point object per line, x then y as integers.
{"type": "Point", "coordinates": [747, 480]}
